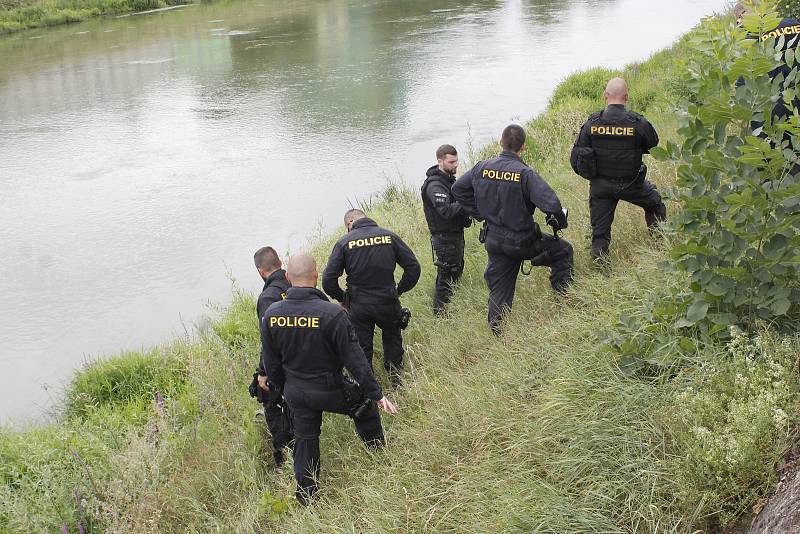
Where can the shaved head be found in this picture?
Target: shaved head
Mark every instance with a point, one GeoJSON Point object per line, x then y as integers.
{"type": "Point", "coordinates": [353, 215]}
{"type": "Point", "coordinates": [616, 91]}
{"type": "Point", "coordinates": [302, 270]}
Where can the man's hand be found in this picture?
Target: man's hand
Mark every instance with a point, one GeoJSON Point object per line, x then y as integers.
{"type": "Point", "coordinates": [262, 382]}
{"type": "Point", "coordinates": [387, 406]}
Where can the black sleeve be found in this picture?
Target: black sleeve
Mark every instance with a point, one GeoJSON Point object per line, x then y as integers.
{"type": "Point", "coordinates": [408, 261]}
{"type": "Point", "coordinates": [261, 369]}
{"type": "Point", "coordinates": [271, 358]}
{"type": "Point", "coordinates": [464, 193]}
{"type": "Point", "coordinates": [344, 339]}
{"type": "Point", "coordinates": [266, 299]}
{"type": "Point", "coordinates": [333, 270]}
{"type": "Point", "coordinates": [584, 139]}
{"type": "Point", "coordinates": [649, 137]}
{"type": "Point", "coordinates": [439, 197]}
{"type": "Point", "coordinates": [542, 196]}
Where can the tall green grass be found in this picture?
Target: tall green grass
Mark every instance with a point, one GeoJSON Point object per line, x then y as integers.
{"type": "Point", "coordinates": [542, 430]}
{"type": "Point", "coordinates": [18, 15]}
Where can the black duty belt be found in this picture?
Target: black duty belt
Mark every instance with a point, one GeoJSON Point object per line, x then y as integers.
{"type": "Point", "coordinates": [330, 381]}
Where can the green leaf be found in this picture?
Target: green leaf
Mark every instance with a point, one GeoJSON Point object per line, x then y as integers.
{"type": "Point", "coordinates": [697, 311]}
{"type": "Point", "coordinates": [780, 306]}
{"type": "Point", "coordinates": [659, 153]}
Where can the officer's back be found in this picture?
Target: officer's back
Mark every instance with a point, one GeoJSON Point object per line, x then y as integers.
{"type": "Point", "coordinates": [369, 254]}
{"type": "Point", "coordinates": [303, 325]}
{"type": "Point", "coordinates": [504, 192]}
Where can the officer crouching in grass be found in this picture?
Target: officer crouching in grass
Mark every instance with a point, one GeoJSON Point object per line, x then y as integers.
{"type": "Point", "coordinates": [306, 341]}
{"type": "Point", "coordinates": [275, 411]}
{"type": "Point", "coordinates": [369, 253]}
{"type": "Point", "coordinates": [608, 152]}
{"type": "Point", "coordinates": [504, 192]}
{"type": "Point", "coordinates": [446, 221]}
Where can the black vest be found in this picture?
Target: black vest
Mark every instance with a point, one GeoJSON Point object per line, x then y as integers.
{"type": "Point", "coordinates": [436, 223]}
{"type": "Point", "coordinates": [616, 144]}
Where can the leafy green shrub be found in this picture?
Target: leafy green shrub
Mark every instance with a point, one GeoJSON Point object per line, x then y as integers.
{"type": "Point", "coordinates": [739, 229]}
{"type": "Point", "coordinates": [731, 422]}
{"type": "Point", "coordinates": [131, 378]}
{"type": "Point", "coordinates": [587, 85]}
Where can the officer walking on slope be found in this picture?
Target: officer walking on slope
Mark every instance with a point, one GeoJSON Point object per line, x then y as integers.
{"type": "Point", "coordinates": [446, 222]}
{"type": "Point", "coordinates": [306, 341]}
{"type": "Point", "coordinates": [505, 192]}
{"type": "Point", "coordinates": [369, 253]}
{"type": "Point", "coordinates": [275, 286]}
{"type": "Point", "coordinates": [608, 152]}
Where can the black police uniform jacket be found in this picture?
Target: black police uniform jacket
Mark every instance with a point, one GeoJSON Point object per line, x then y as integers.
{"type": "Point", "coordinates": [443, 214]}
{"type": "Point", "coordinates": [275, 287]}
{"type": "Point", "coordinates": [618, 138]}
{"type": "Point", "coordinates": [308, 338]}
{"type": "Point", "coordinates": [369, 253]}
{"type": "Point", "coordinates": [505, 192]}
{"type": "Point", "coordinates": [789, 29]}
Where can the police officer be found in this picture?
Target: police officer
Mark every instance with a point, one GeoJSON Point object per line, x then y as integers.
{"type": "Point", "coordinates": [608, 152]}
{"type": "Point", "coordinates": [275, 286]}
{"type": "Point", "coordinates": [306, 341]}
{"type": "Point", "coordinates": [369, 253]}
{"type": "Point", "coordinates": [446, 222]}
{"type": "Point", "coordinates": [789, 29]}
{"type": "Point", "coordinates": [505, 192]}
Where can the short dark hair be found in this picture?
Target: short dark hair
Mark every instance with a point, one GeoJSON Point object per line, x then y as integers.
{"type": "Point", "coordinates": [513, 138]}
{"type": "Point", "coordinates": [445, 150]}
{"type": "Point", "coordinates": [353, 215]}
{"type": "Point", "coordinates": [267, 259]}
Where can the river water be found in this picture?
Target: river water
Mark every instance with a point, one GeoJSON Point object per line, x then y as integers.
{"type": "Point", "coordinates": [143, 159]}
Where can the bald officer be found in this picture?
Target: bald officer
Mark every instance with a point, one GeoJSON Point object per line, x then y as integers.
{"type": "Point", "coordinates": [608, 152]}
{"type": "Point", "coordinates": [307, 341]}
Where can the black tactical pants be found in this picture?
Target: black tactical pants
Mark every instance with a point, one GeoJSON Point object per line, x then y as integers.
{"type": "Point", "coordinates": [449, 250]}
{"type": "Point", "coordinates": [307, 402]}
{"type": "Point", "coordinates": [365, 315]}
{"type": "Point", "coordinates": [604, 194]}
{"type": "Point", "coordinates": [504, 265]}
{"type": "Point", "coordinates": [279, 423]}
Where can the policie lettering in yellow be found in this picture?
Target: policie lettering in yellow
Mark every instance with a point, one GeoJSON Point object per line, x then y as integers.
{"type": "Point", "coordinates": [777, 32]}
{"type": "Point", "coordinates": [370, 241]}
{"type": "Point", "coordinates": [612, 130]}
{"type": "Point", "coordinates": [506, 176]}
{"type": "Point", "coordinates": [293, 322]}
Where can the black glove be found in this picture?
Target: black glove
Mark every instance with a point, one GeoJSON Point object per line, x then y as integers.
{"type": "Point", "coordinates": [557, 221]}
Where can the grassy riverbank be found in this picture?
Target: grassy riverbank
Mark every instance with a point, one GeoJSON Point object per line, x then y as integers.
{"type": "Point", "coordinates": [18, 15]}
{"type": "Point", "coordinates": [547, 429]}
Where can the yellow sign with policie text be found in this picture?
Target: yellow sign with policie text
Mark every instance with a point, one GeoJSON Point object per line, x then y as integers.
{"type": "Point", "coordinates": [781, 32]}
{"type": "Point", "coordinates": [370, 241]}
{"type": "Point", "coordinates": [279, 321]}
{"type": "Point", "coordinates": [625, 131]}
{"type": "Point", "coordinates": [506, 176]}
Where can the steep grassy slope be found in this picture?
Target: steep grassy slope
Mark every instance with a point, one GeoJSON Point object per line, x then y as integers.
{"type": "Point", "coordinates": [546, 429]}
